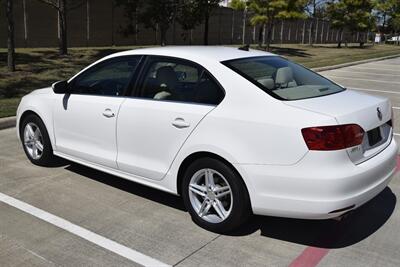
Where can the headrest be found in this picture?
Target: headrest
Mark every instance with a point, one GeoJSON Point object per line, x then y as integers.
{"type": "Point", "coordinates": [284, 75]}
{"type": "Point", "coordinates": [167, 76]}
{"type": "Point", "coordinates": [268, 83]}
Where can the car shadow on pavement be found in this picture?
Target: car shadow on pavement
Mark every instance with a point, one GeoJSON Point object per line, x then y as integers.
{"type": "Point", "coordinates": [360, 224]}
{"type": "Point", "coordinates": [128, 186]}
{"type": "Point", "coordinates": [357, 226]}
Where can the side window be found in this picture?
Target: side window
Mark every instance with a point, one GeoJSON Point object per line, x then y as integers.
{"type": "Point", "coordinates": [109, 78]}
{"type": "Point", "coordinates": [175, 80]}
{"type": "Point", "coordinates": [208, 91]}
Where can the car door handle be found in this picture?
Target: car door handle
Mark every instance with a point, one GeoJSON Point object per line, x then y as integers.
{"type": "Point", "coordinates": [108, 113]}
{"type": "Point", "coordinates": [180, 123]}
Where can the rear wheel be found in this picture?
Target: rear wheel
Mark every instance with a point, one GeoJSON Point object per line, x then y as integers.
{"type": "Point", "coordinates": [215, 195]}
{"type": "Point", "coordinates": [36, 141]}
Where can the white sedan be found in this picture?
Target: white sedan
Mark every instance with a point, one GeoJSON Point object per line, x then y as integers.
{"type": "Point", "coordinates": [234, 132]}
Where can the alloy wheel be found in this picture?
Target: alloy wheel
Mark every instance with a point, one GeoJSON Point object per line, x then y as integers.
{"type": "Point", "coordinates": [33, 141]}
{"type": "Point", "coordinates": [210, 195]}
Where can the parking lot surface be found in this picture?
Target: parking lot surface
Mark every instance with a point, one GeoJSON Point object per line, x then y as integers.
{"type": "Point", "coordinates": [72, 215]}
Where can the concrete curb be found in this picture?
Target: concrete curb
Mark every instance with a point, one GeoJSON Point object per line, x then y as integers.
{"type": "Point", "coordinates": [354, 63]}
{"type": "Point", "coordinates": [7, 122]}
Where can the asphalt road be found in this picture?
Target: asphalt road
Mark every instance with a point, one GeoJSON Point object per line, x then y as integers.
{"type": "Point", "coordinates": [71, 215]}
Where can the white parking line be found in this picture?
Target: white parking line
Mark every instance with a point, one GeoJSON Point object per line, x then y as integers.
{"type": "Point", "coordinates": [360, 79]}
{"type": "Point", "coordinates": [368, 73]}
{"type": "Point", "coordinates": [373, 90]}
{"type": "Point", "coordinates": [92, 237]}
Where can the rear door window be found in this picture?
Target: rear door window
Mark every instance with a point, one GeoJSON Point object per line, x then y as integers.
{"type": "Point", "coordinates": [177, 80]}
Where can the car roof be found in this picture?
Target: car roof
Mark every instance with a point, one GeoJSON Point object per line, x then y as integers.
{"type": "Point", "coordinates": [197, 54]}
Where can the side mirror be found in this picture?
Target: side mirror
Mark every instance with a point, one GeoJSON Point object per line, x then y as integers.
{"type": "Point", "coordinates": [60, 87]}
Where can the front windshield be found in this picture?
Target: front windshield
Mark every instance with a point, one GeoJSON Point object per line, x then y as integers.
{"type": "Point", "coordinates": [283, 79]}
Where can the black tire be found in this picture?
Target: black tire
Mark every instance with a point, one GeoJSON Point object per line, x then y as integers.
{"type": "Point", "coordinates": [47, 157]}
{"type": "Point", "coordinates": [241, 208]}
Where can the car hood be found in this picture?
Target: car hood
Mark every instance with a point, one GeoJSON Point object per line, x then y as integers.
{"type": "Point", "coordinates": [349, 107]}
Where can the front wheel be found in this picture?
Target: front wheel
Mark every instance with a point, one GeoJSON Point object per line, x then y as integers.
{"type": "Point", "coordinates": [215, 195]}
{"type": "Point", "coordinates": [36, 141]}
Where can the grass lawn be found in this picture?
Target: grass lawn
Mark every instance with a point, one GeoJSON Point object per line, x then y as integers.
{"type": "Point", "coordinates": [39, 67]}
{"type": "Point", "coordinates": [8, 106]}
{"type": "Point", "coordinates": [328, 55]}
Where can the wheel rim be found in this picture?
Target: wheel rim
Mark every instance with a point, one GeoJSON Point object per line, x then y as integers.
{"type": "Point", "coordinates": [33, 141]}
{"type": "Point", "coordinates": [210, 195]}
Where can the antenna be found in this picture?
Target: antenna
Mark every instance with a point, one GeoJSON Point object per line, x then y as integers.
{"type": "Point", "coordinates": [245, 47]}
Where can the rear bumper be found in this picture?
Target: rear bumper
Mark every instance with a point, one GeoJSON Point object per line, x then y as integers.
{"type": "Point", "coordinates": [322, 182]}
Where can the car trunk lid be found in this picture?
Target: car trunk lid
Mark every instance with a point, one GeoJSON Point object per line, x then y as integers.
{"type": "Point", "coordinates": [372, 113]}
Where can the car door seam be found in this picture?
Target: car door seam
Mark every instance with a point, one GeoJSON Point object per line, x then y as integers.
{"type": "Point", "coordinates": [184, 142]}
{"type": "Point", "coordinates": [116, 132]}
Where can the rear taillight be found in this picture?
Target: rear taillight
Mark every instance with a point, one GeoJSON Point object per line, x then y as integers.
{"type": "Point", "coordinates": [333, 137]}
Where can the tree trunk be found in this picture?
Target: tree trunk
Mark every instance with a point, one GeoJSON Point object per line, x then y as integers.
{"type": "Point", "coordinates": [398, 38]}
{"type": "Point", "coordinates": [260, 35]}
{"type": "Point", "coordinates": [62, 14]}
{"type": "Point", "coordinates": [268, 38]}
{"type": "Point", "coordinates": [233, 27]}
{"type": "Point", "coordinates": [163, 32]}
{"type": "Point", "coordinates": [244, 26]}
{"type": "Point", "coordinates": [339, 45]}
{"type": "Point", "coordinates": [206, 22]}
{"type": "Point", "coordinates": [384, 23]}
{"type": "Point", "coordinates": [10, 38]}
{"type": "Point", "coordinates": [313, 22]}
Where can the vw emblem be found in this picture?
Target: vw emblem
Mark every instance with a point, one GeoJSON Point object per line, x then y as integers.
{"type": "Point", "coordinates": [379, 113]}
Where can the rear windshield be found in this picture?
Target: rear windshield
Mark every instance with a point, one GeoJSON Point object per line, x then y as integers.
{"type": "Point", "coordinates": [283, 79]}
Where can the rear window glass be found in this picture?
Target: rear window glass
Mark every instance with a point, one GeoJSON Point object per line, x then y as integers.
{"type": "Point", "coordinates": [283, 79]}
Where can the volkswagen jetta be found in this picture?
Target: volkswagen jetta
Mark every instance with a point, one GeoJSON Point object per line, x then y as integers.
{"type": "Point", "coordinates": [233, 132]}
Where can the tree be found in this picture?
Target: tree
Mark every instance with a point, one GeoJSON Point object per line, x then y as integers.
{"type": "Point", "coordinates": [383, 10]}
{"type": "Point", "coordinates": [241, 5]}
{"type": "Point", "coordinates": [189, 15]}
{"type": "Point", "coordinates": [10, 38]}
{"type": "Point", "coordinates": [61, 7]}
{"type": "Point", "coordinates": [360, 17]}
{"type": "Point", "coordinates": [159, 14]}
{"type": "Point", "coordinates": [131, 8]}
{"type": "Point", "coordinates": [267, 12]}
{"type": "Point", "coordinates": [395, 24]}
{"type": "Point", "coordinates": [354, 15]}
{"type": "Point", "coordinates": [394, 21]}
{"type": "Point", "coordinates": [205, 8]}
{"type": "Point", "coordinates": [315, 10]}
{"type": "Point", "coordinates": [336, 14]}
{"type": "Point", "coordinates": [238, 4]}
{"type": "Point", "coordinates": [152, 13]}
